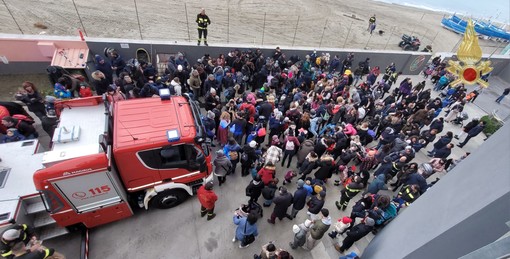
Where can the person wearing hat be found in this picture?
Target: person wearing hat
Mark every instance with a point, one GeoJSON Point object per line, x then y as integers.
{"type": "Point", "coordinates": [355, 234]}
{"type": "Point", "coordinates": [299, 198]}
{"type": "Point", "coordinates": [248, 157]}
{"type": "Point", "coordinates": [340, 227]}
{"type": "Point", "coordinates": [207, 199]}
{"type": "Point", "coordinates": [105, 67]}
{"type": "Point", "coordinates": [210, 126]}
{"type": "Point", "coordinates": [13, 235]}
{"type": "Point", "coordinates": [282, 203]}
{"type": "Point", "coordinates": [222, 166]}
{"type": "Point", "coordinates": [300, 233]}
{"type": "Point", "coordinates": [12, 136]}
{"type": "Point", "coordinates": [319, 228]}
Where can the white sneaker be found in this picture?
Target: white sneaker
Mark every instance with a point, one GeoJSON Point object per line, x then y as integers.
{"type": "Point", "coordinates": [234, 240]}
{"type": "Point", "coordinates": [240, 246]}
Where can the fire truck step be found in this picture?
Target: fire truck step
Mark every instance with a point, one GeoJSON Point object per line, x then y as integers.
{"type": "Point", "coordinates": [52, 231]}
{"type": "Point", "coordinates": [43, 219]}
{"type": "Point", "coordinates": [35, 207]}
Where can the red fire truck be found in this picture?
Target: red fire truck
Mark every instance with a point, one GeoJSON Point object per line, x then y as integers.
{"type": "Point", "coordinates": [148, 152]}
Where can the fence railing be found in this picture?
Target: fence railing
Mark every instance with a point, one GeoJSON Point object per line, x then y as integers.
{"type": "Point", "coordinates": [175, 21]}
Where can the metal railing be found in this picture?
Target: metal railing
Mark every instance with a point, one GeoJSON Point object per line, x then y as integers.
{"type": "Point", "coordinates": [242, 24]}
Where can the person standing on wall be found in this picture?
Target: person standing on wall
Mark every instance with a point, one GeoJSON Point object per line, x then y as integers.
{"type": "Point", "coordinates": [202, 21]}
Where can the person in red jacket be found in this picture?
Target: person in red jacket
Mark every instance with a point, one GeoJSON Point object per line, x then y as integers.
{"type": "Point", "coordinates": [207, 198]}
{"type": "Point", "coordinates": [267, 173]}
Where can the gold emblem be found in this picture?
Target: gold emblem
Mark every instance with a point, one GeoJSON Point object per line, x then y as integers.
{"type": "Point", "coordinates": [469, 68]}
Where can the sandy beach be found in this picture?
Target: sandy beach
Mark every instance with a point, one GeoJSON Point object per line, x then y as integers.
{"type": "Point", "coordinates": [325, 23]}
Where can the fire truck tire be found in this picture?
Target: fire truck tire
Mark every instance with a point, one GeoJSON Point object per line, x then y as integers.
{"type": "Point", "coordinates": [168, 199]}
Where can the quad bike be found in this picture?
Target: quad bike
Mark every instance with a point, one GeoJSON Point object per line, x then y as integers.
{"type": "Point", "coordinates": [409, 43]}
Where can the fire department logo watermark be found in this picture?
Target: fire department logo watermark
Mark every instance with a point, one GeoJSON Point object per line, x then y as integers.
{"type": "Point", "coordinates": [417, 63]}
{"type": "Point", "coordinates": [79, 195]}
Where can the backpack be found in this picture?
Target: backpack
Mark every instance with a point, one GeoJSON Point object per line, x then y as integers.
{"type": "Point", "coordinates": [244, 157]}
{"type": "Point", "coordinates": [290, 145]}
{"type": "Point", "coordinates": [21, 117]}
{"type": "Point", "coordinates": [233, 155]}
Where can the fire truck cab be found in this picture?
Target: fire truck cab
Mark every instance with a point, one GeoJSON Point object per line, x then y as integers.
{"type": "Point", "coordinates": [149, 152]}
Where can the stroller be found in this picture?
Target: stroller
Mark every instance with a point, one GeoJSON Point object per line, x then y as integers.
{"type": "Point", "coordinates": [251, 208]}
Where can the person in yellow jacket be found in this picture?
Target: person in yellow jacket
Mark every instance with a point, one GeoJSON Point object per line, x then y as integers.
{"type": "Point", "coordinates": [202, 21]}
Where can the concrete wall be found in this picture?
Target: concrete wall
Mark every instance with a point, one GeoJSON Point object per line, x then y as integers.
{"type": "Point", "coordinates": [505, 73]}
{"type": "Point", "coordinates": [466, 210]}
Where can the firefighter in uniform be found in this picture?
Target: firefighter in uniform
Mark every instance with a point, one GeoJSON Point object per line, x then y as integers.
{"type": "Point", "coordinates": [351, 190]}
{"type": "Point", "coordinates": [370, 22]}
{"type": "Point", "coordinates": [407, 195]}
{"type": "Point", "coordinates": [15, 234]}
{"type": "Point", "coordinates": [202, 21]}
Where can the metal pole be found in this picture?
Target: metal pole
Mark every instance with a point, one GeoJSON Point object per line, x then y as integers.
{"type": "Point", "coordinates": [496, 49]}
{"type": "Point", "coordinates": [389, 38]}
{"type": "Point", "coordinates": [187, 21]}
{"type": "Point", "coordinates": [323, 30]}
{"type": "Point", "coordinates": [348, 32]}
{"type": "Point", "coordinates": [9, 10]}
{"type": "Point", "coordinates": [228, 25]}
{"type": "Point", "coordinates": [138, 19]}
{"type": "Point", "coordinates": [434, 39]}
{"type": "Point", "coordinates": [458, 42]}
{"type": "Point", "coordinates": [264, 28]}
{"type": "Point", "coordinates": [368, 41]}
{"type": "Point", "coordinates": [79, 18]}
{"type": "Point", "coordinates": [295, 31]}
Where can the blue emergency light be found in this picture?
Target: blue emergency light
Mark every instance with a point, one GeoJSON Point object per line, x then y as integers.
{"type": "Point", "coordinates": [164, 93]}
{"type": "Point", "coordinates": [172, 135]}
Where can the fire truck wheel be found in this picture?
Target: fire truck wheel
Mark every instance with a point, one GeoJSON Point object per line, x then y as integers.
{"type": "Point", "coordinates": [168, 199]}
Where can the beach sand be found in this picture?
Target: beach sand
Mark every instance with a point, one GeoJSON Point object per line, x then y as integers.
{"type": "Point", "coordinates": [326, 23]}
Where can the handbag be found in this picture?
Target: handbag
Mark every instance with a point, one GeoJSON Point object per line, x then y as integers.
{"type": "Point", "coordinates": [247, 239]}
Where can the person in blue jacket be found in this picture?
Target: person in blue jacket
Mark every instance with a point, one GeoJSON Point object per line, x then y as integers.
{"type": "Point", "coordinates": [245, 226]}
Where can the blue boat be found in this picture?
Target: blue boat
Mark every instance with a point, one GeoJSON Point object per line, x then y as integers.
{"type": "Point", "coordinates": [458, 25]}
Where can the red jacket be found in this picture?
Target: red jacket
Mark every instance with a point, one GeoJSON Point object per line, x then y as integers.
{"type": "Point", "coordinates": [266, 175]}
{"type": "Point", "coordinates": [85, 92]}
{"type": "Point", "coordinates": [207, 198]}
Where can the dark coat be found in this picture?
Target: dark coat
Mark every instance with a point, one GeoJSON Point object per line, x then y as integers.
{"type": "Point", "coordinates": [443, 152]}
{"type": "Point", "coordinates": [269, 191]}
{"type": "Point", "coordinates": [442, 142]}
{"type": "Point", "coordinates": [281, 204]}
{"type": "Point", "coordinates": [299, 199]}
{"type": "Point", "coordinates": [254, 190]}
{"type": "Point", "coordinates": [304, 149]}
{"type": "Point", "coordinates": [358, 232]}
{"type": "Point", "coordinates": [315, 205]}
{"type": "Point", "coordinates": [326, 169]}
{"type": "Point", "coordinates": [416, 178]}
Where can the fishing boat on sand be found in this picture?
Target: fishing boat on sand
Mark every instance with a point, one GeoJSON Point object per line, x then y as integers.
{"type": "Point", "coordinates": [458, 25]}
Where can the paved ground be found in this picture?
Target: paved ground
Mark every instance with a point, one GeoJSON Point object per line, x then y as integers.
{"type": "Point", "coordinates": [181, 233]}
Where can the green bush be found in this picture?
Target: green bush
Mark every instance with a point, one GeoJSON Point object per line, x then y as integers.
{"type": "Point", "coordinates": [491, 126]}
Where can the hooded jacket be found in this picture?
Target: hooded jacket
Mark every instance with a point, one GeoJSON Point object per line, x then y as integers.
{"type": "Point", "coordinates": [299, 199]}
{"type": "Point", "coordinates": [221, 165]}
{"type": "Point", "coordinates": [320, 227]}
{"type": "Point", "coordinates": [327, 165]}
{"type": "Point", "coordinates": [308, 165]}
{"type": "Point", "coordinates": [377, 184]}
{"type": "Point", "coordinates": [267, 174]}
{"type": "Point", "coordinates": [282, 203]}
{"type": "Point", "coordinates": [306, 147]}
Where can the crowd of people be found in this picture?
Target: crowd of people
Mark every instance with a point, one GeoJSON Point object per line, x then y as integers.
{"type": "Point", "coordinates": [309, 120]}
